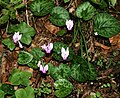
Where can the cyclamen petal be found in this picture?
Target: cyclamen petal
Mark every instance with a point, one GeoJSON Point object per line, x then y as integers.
{"type": "Point", "coordinates": [69, 24]}
{"type": "Point", "coordinates": [64, 53]}
{"type": "Point", "coordinates": [17, 37]}
{"type": "Point", "coordinates": [48, 48]}
{"type": "Point", "coordinates": [20, 45]}
{"type": "Point", "coordinates": [44, 69]}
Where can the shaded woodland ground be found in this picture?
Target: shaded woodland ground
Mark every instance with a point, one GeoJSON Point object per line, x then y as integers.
{"type": "Point", "coordinates": [104, 53]}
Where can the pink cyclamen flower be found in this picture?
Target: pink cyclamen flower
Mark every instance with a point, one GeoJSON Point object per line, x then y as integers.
{"type": "Point", "coordinates": [69, 24]}
{"type": "Point", "coordinates": [48, 48]}
{"type": "Point", "coordinates": [64, 53]}
{"type": "Point", "coordinates": [43, 69]}
{"type": "Point", "coordinates": [16, 38]}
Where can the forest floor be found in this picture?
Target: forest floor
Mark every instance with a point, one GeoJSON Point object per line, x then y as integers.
{"type": "Point", "coordinates": [104, 53]}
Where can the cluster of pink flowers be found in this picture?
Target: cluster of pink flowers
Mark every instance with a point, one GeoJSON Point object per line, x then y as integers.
{"type": "Point", "coordinates": [48, 48]}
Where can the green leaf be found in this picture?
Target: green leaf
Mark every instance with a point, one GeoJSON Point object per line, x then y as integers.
{"type": "Point", "coordinates": [41, 8]}
{"type": "Point", "coordinates": [26, 39]}
{"type": "Point", "coordinates": [61, 32]}
{"type": "Point", "coordinates": [2, 94]}
{"type": "Point", "coordinates": [24, 57]}
{"type": "Point", "coordinates": [106, 25]}
{"type": "Point", "coordinates": [59, 15]}
{"type": "Point", "coordinates": [81, 71]}
{"type": "Point", "coordinates": [30, 92]}
{"type": "Point", "coordinates": [24, 29]}
{"type": "Point", "coordinates": [20, 77]}
{"type": "Point", "coordinates": [96, 1]}
{"type": "Point", "coordinates": [33, 64]}
{"type": "Point", "coordinates": [65, 1]}
{"type": "Point", "coordinates": [85, 11]}
{"type": "Point", "coordinates": [9, 43]}
{"type": "Point", "coordinates": [113, 2]}
{"type": "Point", "coordinates": [37, 53]}
{"type": "Point", "coordinates": [15, 1]}
{"type": "Point", "coordinates": [63, 88]}
{"type": "Point", "coordinates": [61, 72]}
{"type": "Point", "coordinates": [4, 19]}
{"type": "Point", "coordinates": [8, 89]}
{"type": "Point", "coordinates": [21, 93]}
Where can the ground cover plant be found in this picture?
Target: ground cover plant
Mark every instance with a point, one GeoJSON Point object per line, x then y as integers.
{"type": "Point", "coordinates": [59, 49]}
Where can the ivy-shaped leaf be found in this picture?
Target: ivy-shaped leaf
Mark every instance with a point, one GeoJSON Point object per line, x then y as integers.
{"type": "Point", "coordinates": [9, 43]}
{"type": "Point", "coordinates": [24, 57]}
{"type": "Point", "coordinates": [85, 11]}
{"type": "Point", "coordinates": [106, 25]}
{"type": "Point", "coordinates": [59, 15]}
{"type": "Point", "coordinates": [63, 88]}
{"type": "Point", "coordinates": [20, 77]}
{"type": "Point", "coordinates": [26, 31]}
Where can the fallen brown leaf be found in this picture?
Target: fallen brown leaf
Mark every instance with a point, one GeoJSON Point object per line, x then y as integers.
{"type": "Point", "coordinates": [102, 46]}
{"type": "Point", "coordinates": [52, 28]}
{"type": "Point", "coordinates": [115, 41]}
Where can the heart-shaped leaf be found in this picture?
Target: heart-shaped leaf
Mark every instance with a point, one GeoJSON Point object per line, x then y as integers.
{"type": "Point", "coordinates": [85, 11]}
{"type": "Point", "coordinates": [63, 88]}
{"type": "Point", "coordinates": [24, 57]}
{"type": "Point", "coordinates": [42, 7]}
{"type": "Point", "coordinates": [59, 15]}
{"type": "Point", "coordinates": [106, 25]}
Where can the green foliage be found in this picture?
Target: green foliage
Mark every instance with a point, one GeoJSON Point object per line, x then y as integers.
{"type": "Point", "coordinates": [10, 8]}
{"type": "Point", "coordinates": [61, 72]}
{"type": "Point", "coordinates": [2, 94]}
{"type": "Point", "coordinates": [45, 88]}
{"type": "Point", "coordinates": [32, 58]}
{"type": "Point", "coordinates": [63, 88]}
{"type": "Point", "coordinates": [20, 77]}
{"type": "Point", "coordinates": [106, 25]}
{"type": "Point", "coordinates": [81, 72]}
{"type": "Point", "coordinates": [24, 57]}
{"type": "Point", "coordinates": [96, 1]}
{"type": "Point", "coordinates": [41, 7]}
{"type": "Point", "coordinates": [59, 15]}
{"type": "Point", "coordinates": [28, 92]}
{"type": "Point", "coordinates": [9, 43]}
{"type": "Point", "coordinates": [65, 1]}
{"type": "Point", "coordinates": [61, 32]}
{"type": "Point", "coordinates": [26, 31]}
{"type": "Point", "coordinates": [85, 11]}
{"type": "Point", "coordinates": [8, 89]}
{"type": "Point", "coordinates": [57, 51]}
{"type": "Point", "coordinates": [113, 2]}
{"type": "Point", "coordinates": [37, 53]}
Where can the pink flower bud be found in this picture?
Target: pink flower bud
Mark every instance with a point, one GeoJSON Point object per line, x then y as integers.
{"type": "Point", "coordinates": [69, 24]}
{"type": "Point", "coordinates": [64, 53]}
{"type": "Point", "coordinates": [48, 48]}
{"type": "Point", "coordinates": [43, 69]}
{"type": "Point", "coordinates": [16, 37]}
